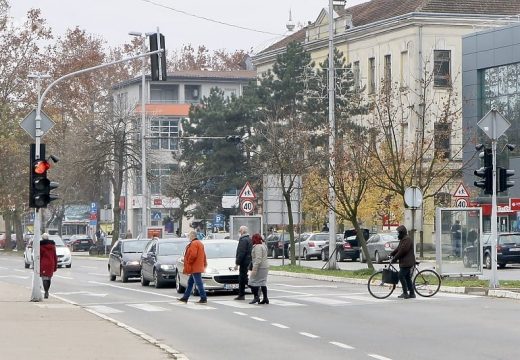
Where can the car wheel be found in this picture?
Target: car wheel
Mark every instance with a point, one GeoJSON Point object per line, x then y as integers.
{"type": "Point", "coordinates": [68, 266]}
{"type": "Point", "coordinates": [144, 282]}
{"type": "Point", "coordinates": [305, 256]}
{"type": "Point", "coordinates": [270, 252]}
{"type": "Point", "coordinates": [156, 280]}
{"type": "Point", "coordinates": [501, 265]}
{"type": "Point", "coordinates": [124, 275]}
{"type": "Point", "coordinates": [378, 258]}
{"type": "Point", "coordinates": [338, 256]}
{"type": "Point", "coordinates": [324, 256]}
{"type": "Point", "coordinates": [27, 265]}
{"type": "Point", "coordinates": [110, 275]}
{"type": "Point", "coordinates": [180, 289]}
{"type": "Point", "coordinates": [361, 257]}
{"type": "Point", "coordinates": [487, 261]}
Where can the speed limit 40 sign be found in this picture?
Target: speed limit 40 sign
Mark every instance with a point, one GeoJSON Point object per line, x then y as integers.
{"type": "Point", "coordinates": [247, 206]}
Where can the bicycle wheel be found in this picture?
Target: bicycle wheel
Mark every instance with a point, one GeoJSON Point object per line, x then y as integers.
{"type": "Point", "coordinates": [427, 283]}
{"type": "Point", "coordinates": [379, 289]}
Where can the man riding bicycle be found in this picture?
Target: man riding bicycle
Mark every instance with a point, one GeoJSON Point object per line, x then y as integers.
{"type": "Point", "coordinates": [405, 254]}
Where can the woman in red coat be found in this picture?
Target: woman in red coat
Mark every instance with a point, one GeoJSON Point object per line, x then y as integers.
{"type": "Point", "coordinates": [48, 262]}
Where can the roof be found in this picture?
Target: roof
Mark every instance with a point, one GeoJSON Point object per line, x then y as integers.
{"type": "Point", "coordinates": [378, 10]}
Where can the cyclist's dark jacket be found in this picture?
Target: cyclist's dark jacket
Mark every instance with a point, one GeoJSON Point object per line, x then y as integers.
{"type": "Point", "coordinates": [404, 252]}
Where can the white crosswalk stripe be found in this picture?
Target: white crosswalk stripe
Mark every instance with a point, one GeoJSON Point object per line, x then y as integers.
{"type": "Point", "coordinates": [279, 302]}
{"type": "Point", "coordinates": [102, 309]}
{"type": "Point", "coordinates": [147, 307]}
{"type": "Point", "coordinates": [324, 301]}
{"type": "Point", "coordinates": [193, 306]}
{"type": "Point", "coordinates": [236, 304]}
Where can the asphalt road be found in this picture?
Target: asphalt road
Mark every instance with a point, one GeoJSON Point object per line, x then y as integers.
{"type": "Point", "coordinates": [306, 319]}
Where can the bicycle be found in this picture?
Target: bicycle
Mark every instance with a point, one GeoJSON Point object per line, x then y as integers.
{"type": "Point", "coordinates": [425, 282]}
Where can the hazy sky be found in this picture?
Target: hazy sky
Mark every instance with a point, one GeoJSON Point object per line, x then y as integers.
{"type": "Point", "coordinates": [113, 19]}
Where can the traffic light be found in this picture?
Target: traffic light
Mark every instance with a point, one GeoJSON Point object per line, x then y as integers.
{"type": "Point", "coordinates": [503, 183]}
{"type": "Point", "coordinates": [40, 187]}
{"type": "Point", "coordinates": [158, 61]}
{"type": "Point", "coordinates": [486, 173]}
{"type": "Point", "coordinates": [487, 155]}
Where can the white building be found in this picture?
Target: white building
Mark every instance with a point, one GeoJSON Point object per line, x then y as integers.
{"type": "Point", "coordinates": [167, 102]}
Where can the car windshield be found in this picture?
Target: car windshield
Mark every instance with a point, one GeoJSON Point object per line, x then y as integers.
{"type": "Point", "coordinates": [509, 239]}
{"type": "Point", "coordinates": [170, 248]}
{"type": "Point", "coordinates": [136, 246]}
{"type": "Point", "coordinates": [387, 237]}
{"type": "Point", "coordinates": [58, 242]}
{"type": "Point", "coordinates": [321, 237]}
{"type": "Point", "coordinates": [220, 250]}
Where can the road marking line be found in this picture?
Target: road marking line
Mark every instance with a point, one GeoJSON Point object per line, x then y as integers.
{"type": "Point", "coordinates": [135, 290]}
{"type": "Point", "coordinates": [104, 309]}
{"type": "Point", "coordinates": [88, 267]}
{"type": "Point", "coordinates": [341, 345]}
{"type": "Point", "coordinates": [98, 274]}
{"type": "Point", "coordinates": [279, 302]}
{"type": "Point", "coordinates": [64, 277]}
{"type": "Point", "coordinates": [324, 301]}
{"type": "Point", "coordinates": [14, 276]}
{"type": "Point", "coordinates": [309, 335]}
{"type": "Point", "coordinates": [235, 304]}
{"type": "Point", "coordinates": [257, 318]}
{"type": "Point", "coordinates": [290, 292]}
{"type": "Point", "coordinates": [368, 298]}
{"type": "Point", "coordinates": [280, 326]}
{"type": "Point", "coordinates": [307, 286]}
{"type": "Point", "coordinates": [239, 313]}
{"type": "Point", "coordinates": [193, 306]}
{"type": "Point", "coordinates": [378, 357]}
{"type": "Point", "coordinates": [147, 307]}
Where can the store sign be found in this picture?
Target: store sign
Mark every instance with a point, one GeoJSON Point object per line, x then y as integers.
{"type": "Point", "coordinates": [514, 204]}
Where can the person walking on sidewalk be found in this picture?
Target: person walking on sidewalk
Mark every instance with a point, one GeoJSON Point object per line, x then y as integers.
{"type": "Point", "coordinates": [48, 262]}
{"type": "Point", "coordinates": [405, 254]}
{"type": "Point", "coordinates": [194, 264]}
{"type": "Point", "coordinates": [258, 278]}
{"type": "Point", "coordinates": [243, 260]}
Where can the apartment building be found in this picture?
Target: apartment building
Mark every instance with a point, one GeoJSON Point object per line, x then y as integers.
{"type": "Point", "coordinates": [166, 104]}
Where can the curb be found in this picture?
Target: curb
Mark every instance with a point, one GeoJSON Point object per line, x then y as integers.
{"type": "Point", "coordinates": [447, 289]}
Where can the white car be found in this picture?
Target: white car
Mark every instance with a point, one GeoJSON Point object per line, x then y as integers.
{"type": "Point", "coordinates": [220, 273]}
{"type": "Point", "coordinates": [62, 251]}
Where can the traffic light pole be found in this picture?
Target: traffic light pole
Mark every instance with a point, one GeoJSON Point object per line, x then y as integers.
{"type": "Point", "coordinates": [36, 294]}
{"type": "Point", "coordinates": [493, 281]}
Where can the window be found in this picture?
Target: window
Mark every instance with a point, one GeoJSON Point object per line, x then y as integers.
{"type": "Point", "coordinates": [355, 70]}
{"type": "Point", "coordinates": [405, 71]}
{"type": "Point", "coordinates": [192, 93]}
{"type": "Point", "coordinates": [442, 141]}
{"type": "Point", "coordinates": [371, 75]}
{"type": "Point", "coordinates": [442, 68]}
{"type": "Point", "coordinates": [160, 177]}
{"type": "Point", "coordinates": [388, 72]}
{"type": "Point", "coordinates": [165, 134]}
{"type": "Point", "coordinates": [164, 94]}
{"type": "Point", "coordinates": [122, 100]}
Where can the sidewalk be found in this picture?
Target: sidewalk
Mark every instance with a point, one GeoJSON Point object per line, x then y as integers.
{"type": "Point", "coordinates": [53, 330]}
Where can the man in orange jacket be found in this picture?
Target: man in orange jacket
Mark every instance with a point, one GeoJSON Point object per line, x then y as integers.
{"type": "Point", "coordinates": [194, 264]}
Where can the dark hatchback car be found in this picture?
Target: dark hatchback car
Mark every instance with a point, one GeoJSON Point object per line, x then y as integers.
{"type": "Point", "coordinates": [80, 243]}
{"type": "Point", "coordinates": [159, 261]}
{"type": "Point", "coordinates": [277, 245]}
{"type": "Point", "coordinates": [124, 258]}
{"type": "Point", "coordinates": [508, 250]}
{"type": "Point", "coordinates": [347, 246]}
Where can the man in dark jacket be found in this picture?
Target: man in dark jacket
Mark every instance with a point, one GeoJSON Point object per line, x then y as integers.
{"type": "Point", "coordinates": [405, 254]}
{"type": "Point", "coordinates": [242, 261]}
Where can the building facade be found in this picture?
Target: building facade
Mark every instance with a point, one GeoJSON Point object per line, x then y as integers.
{"type": "Point", "coordinates": [491, 78]}
{"type": "Point", "coordinates": [166, 104]}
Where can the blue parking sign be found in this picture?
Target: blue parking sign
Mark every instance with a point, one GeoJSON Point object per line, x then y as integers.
{"type": "Point", "coordinates": [219, 220]}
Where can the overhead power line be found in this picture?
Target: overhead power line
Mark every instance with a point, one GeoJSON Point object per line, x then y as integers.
{"type": "Point", "coordinates": [208, 19]}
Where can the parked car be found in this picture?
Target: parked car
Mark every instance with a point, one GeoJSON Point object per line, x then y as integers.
{"type": "Point", "coordinates": [62, 252]}
{"type": "Point", "coordinates": [220, 274]}
{"type": "Point", "coordinates": [159, 261]}
{"type": "Point", "coordinates": [124, 259]}
{"type": "Point", "coordinates": [310, 245]}
{"type": "Point", "coordinates": [278, 245]}
{"type": "Point", "coordinates": [218, 235]}
{"type": "Point", "coordinates": [379, 247]}
{"type": "Point", "coordinates": [345, 249]}
{"type": "Point", "coordinates": [80, 243]}
{"type": "Point", "coordinates": [508, 250]}
{"type": "Point", "coordinates": [13, 241]}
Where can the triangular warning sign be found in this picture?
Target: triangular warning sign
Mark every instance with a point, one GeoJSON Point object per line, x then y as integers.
{"type": "Point", "coordinates": [247, 192]}
{"type": "Point", "coordinates": [461, 191]}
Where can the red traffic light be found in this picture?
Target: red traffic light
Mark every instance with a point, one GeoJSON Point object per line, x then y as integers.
{"type": "Point", "coordinates": [41, 166]}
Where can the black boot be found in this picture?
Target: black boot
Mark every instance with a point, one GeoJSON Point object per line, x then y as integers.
{"type": "Point", "coordinates": [256, 299]}
{"type": "Point", "coordinates": [265, 300]}
{"type": "Point", "coordinates": [46, 287]}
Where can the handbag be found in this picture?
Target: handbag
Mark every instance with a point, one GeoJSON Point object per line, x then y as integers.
{"type": "Point", "coordinates": [390, 276]}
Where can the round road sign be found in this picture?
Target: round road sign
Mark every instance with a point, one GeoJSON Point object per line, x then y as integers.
{"type": "Point", "coordinates": [247, 206]}
{"type": "Point", "coordinates": [462, 203]}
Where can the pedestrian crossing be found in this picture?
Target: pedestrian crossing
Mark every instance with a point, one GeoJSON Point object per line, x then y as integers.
{"type": "Point", "coordinates": [282, 301]}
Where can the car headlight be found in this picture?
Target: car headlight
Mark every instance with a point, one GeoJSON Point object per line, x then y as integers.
{"type": "Point", "coordinates": [132, 262]}
{"type": "Point", "coordinates": [211, 271]}
{"type": "Point", "coordinates": [167, 267]}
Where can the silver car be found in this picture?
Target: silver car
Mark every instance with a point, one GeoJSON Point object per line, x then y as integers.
{"type": "Point", "coordinates": [220, 273]}
{"type": "Point", "coordinates": [62, 252]}
{"type": "Point", "coordinates": [379, 246]}
{"type": "Point", "coordinates": [310, 246]}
